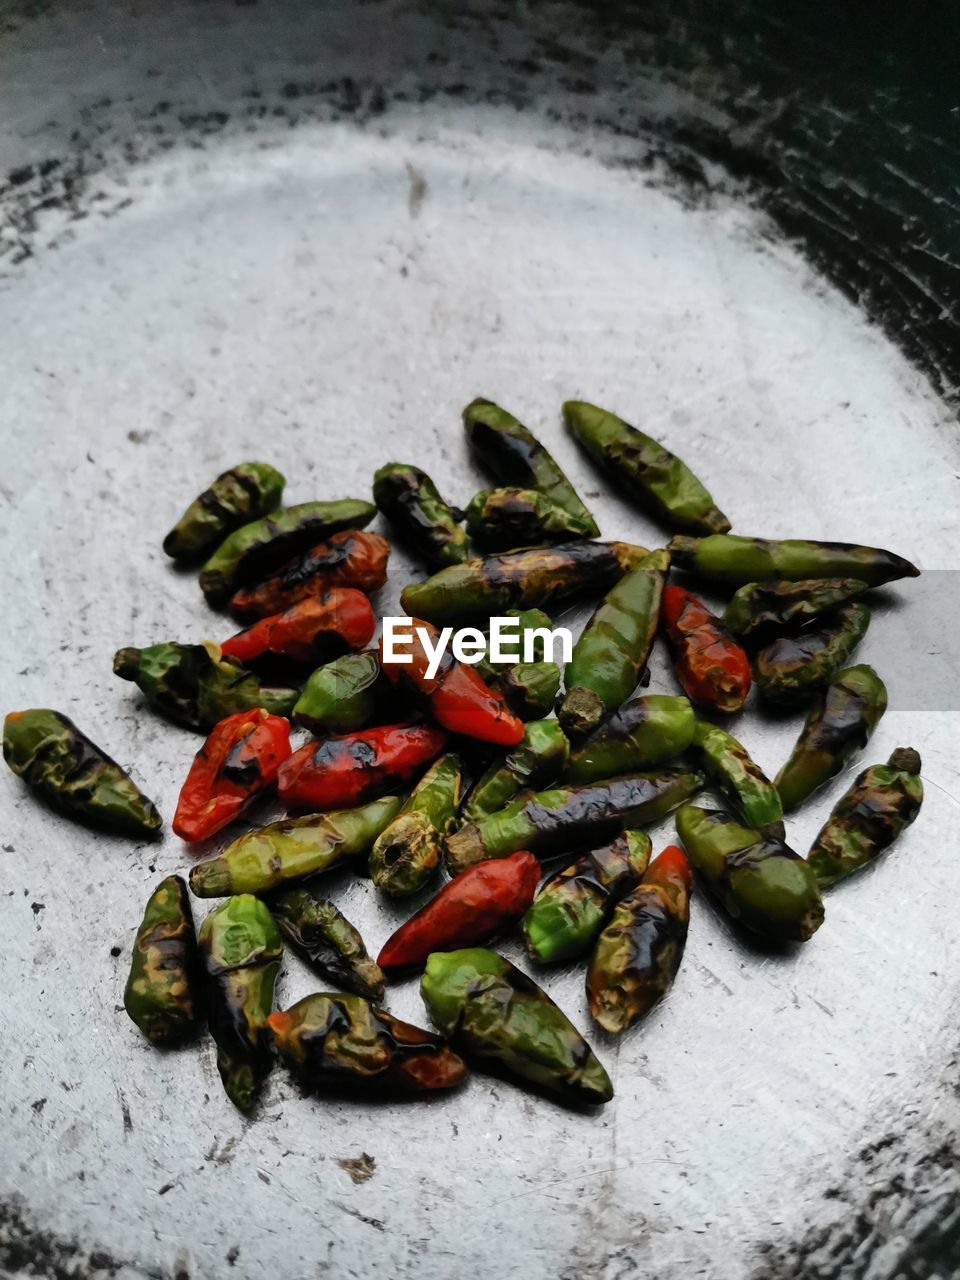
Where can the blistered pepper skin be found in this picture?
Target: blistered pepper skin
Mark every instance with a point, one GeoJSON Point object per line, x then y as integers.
{"type": "Point", "coordinates": [499, 1017]}
{"type": "Point", "coordinates": [529, 688]}
{"type": "Point", "coordinates": [881, 804]}
{"type": "Point", "coordinates": [72, 775]}
{"type": "Point", "coordinates": [343, 695]}
{"type": "Point", "coordinates": [504, 519]}
{"type": "Point", "coordinates": [406, 854]}
{"type": "Point", "coordinates": [761, 610]}
{"type": "Point", "coordinates": [238, 496]}
{"type": "Point", "coordinates": [340, 772]}
{"type": "Point", "coordinates": [428, 525]}
{"type": "Point", "coordinates": [319, 627]}
{"type": "Point", "coordinates": [538, 759]}
{"type": "Point", "coordinates": [729, 764]}
{"type": "Point", "coordinates": [646, 731]}
{"type": "Point", "coordinates": [349, 559]}
{"type": "Point", "coordinates": [315, 928]}
{"type": "Point", "coordinates": [711, 667]}
{"type": "Point", "coordinates": [162, 995]}
{"type": "Point", "coordinates": [790, 669]}
{"type": "Point", "coordinates": [735, 561]}
{"type": "Point", "coordinates": [640, 948]}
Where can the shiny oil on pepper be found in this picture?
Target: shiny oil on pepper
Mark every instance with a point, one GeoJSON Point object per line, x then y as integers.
{"type": "Point", "coordinates": [791, 668]}
{"type": "Point", "coordinates": [502, 519]}
{"type": "Point", "coordinates": [646, 731]}
{"type": "Point", "coordinates": [345, 694]}
{"type": "Point", "coordinates": [735, 560]}
{"type": "Point", "coordinates": [538, 759]}
{"type": "Point", "coordinates": [729, 764]}
{"type": "Point", "coordinates": [319, 627]}
{"type": "Point", "coordinates": [348, 559]}
{"type": "Point", "coordinates": [327, 939]}
{"type": "Point", "coordinates": [244, 493]}
{"type": "Point", "coordinates": [407, 852]}
{"type": "Point", "coordinates": [711, 667]}
{"type": "Point", "coordinates": [424, 522]}
{"type": "Point", "coordinates": [162, 995]}
{"type": "Point", "coordinates": [759, 611]}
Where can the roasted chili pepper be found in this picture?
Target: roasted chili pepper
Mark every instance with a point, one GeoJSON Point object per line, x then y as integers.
{"type": "Point", "coordinates": [529, 688]}
{"type": "Point", "coordinates": [881, 804]}
{"type": "Point", "coordinates": [514, 456]}
{"type": "Point", "coordinates": [569, 911]}
{"type": "Point", "coordinates": [538, 759]}
{"type": "Point", "coordinates": [646, 731]}
{"type": "Point", "coordinates": [162, 992]}
{"type": "Point", "coordinates": [727, 762]}
{"type": "Point", "coordinates": [338, 1041]}
{"type": "Point", "coordinates": [500, 1018]}
{"type": "Point", "coordinates": [486, 900]}
{"type": "Point", "coordinates": [410, 501]}
{"type": "Point", "coordinates": [790, 669]}
{"type": "Point", "coordinates": [478, 589]}
{"type": "Point", "coordinates": [349, 559]}
{"type": "Point", "coordinates": [407, 852]}
{"type": "Point", "coordinates": [242, 949]}
{"type": "Point", "coordinates": [74, 776]}
{"type": "Point", "coordinates": [259, 548]}
{"type": "Point", "coordinates": [761, 610]}
{"type": "Point", "coordinates": [640, 947]}
{"type": "Point", "coordinates": [838, 725]}
{"type": "Point", "coordinates": [327, 939]}
{"type": "Point", "coordinates": [761, 882]}
{"type": "Point", "coordinates": [237, 496]}
{"type": "Point", "coordinates": [456, 696]}
{"type": "Point", "coordinates": [341, 772]}
{"type": "Point", "coordinates": [320, 626]}
{"type": "Point", "coordinates": [612, 651]}
{"type": "Point", "coordinates": [502, 519]}
{"type": "Point", "coordinates": [712, 668]}
{"type": "Point", "coordinates": [292, 850]}
{"type": "Point", "coordinates": [238, 761]}
{"type": "Point", "coordinates": [532, 623]}
{"type": "Point", "coordinates": [656, 479]}
{"type": "Point", "coordinates": [570, 818]}
{"type": "Point", "coordinates": [735, 560]}
{"type": "Point", "coordinates": [192, 686]}
{"type": "Point", "coordinates": [344, 695]}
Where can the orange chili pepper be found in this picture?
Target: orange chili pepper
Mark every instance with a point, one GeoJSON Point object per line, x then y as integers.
{"type": "Point", "coordinates": [712, 668]}
{"type": "Point", "coordinates": [321, 626]}
{"type": "Point", "coordinates": [349, 559]}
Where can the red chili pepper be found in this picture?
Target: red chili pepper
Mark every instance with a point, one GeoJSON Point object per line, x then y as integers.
{"type": "Point", "coordinates": [319, 627]}
{"type": "Point", "coordinates": [350, 770]}
{"type": "Point", "coordinates": [669, 867]}
{"type": "Point", "coordinates": [456, 696]}
{"type": "Point", "coordinates": [484, 900]}
{"type": "Point", "coordinates": [349, 559]}
{"type": "Point", "coordinates": [712, 668]}
{"type": "Point", "coordinates": [240, 759]}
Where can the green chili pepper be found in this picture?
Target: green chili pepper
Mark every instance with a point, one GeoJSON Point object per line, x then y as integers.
{"type": "Point", "coordinates": [837, 726]}
{"type": "Point", "coordinates": [865, 821]}
{"type": "Point", "coordinates": [410, 501]}
{"type": "Point", "coordinates": [537, 760]}
{"type": "Point", "coordinates": [343, 695]}
{"type": "Point", "coordinates": [734, 560]}
{"type": "Point", "coordinates": [407, 852]}
{"type": "Point", "coordinates": [762, 609]}
{"type": "Point", "coordinates": [612, 651]}
{"type": "Point", "coordinates": [646, 731]}
{"type": "Point", "coordinates": [530, 622]}
{"type": "Point", "coordinates": [256, 549]}
{"type": "Point", "coordinates": [292, 850]}
{"type": "Point", "coordinates": [73, 775]}
{"type": "Point", "coordinates": [569, 911]}
{"type": "Point", "coordinates": [502, 519]}
{"type": "Point", "coordinates": [327, 938]}
{"type": "Point", "coordinates": [656, 479]}
{"type": "Point", "coordinates": [727, 761]}
{"type": "Point", "coordinates": [529, 688]}
{"type": "Point", "coordinates": [565, 819]}
{"type": "Point", "coordinates": [237, 496]}
{"type": "Point", "coordinates": [194, 687]}
{"type": "Point", "coordinates": [789, 669]}
{"type": "Point", "coordinates": [498, 1016]}
{"type": "Point", "coordinates": [161, 995]}
{"type": "Point", "coordinates": [242, 949]}
{"type": "Point", "coordinates": [514, 456]}
{"type": "Point", "coordinates": [761, 882]}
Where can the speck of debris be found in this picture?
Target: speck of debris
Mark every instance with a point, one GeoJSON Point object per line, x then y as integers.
{"type": "Point", "coordinates": [37, 907]}
{"type": "Point", "coordinates": [167, 1186]}
{"type": "Point", "coordinates": [360, 1168]}
{"type": "Point", "coordinates": [8, 848]}
{"type": "Point", "coordinates": [233, 1253]}
{"type": "Point", "coordinates": [139, 437]}
{"type": "Point", "coordinates": [264, 1177]}
{"type": "Point", "coordinates": [116, 951]}
{"type": "Point", "coordinates": [38, 1105]}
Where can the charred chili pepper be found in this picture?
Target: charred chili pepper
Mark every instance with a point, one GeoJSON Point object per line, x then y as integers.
{"type": "Point", "coordinates": [292, 850]}
{"type": "Point", "coordinates": [410, 501]}
{"type": "Point", "coordinates": [570, 818]}
{"type": "Point", "coordinates": [258, 548]}
{"type": "Point", "coordinates": [514, 456]}
{"type": "Point", "coordinates": [529, 688]}
{"type": "Point", "coordinates": [711, 667]}
{"type": "Point", "coordinates": [242, 949]}
{"type": "Point", "coordinates": [478, 589]}
{"type": "Point", "coordinates": [761, 882]}
{"type": "Point", "coordinates": [192, 686]}
{"type": "Point", "coordinates": [502, 519]}
{"type": "Point", "coordinates": [881, 804]}
{"type": "Point", "coordinates": [727, 761]}
{"type": "Point", "coordinates": [238, 761]}
{"type": "Point", "coordinates": [538, 759]}
{"type": "Point", "coordinates": [327, 939]}
{"type": "Point", "coordinates": [612, 651]}
{"type": "Point", "coordinates": [793, 667]}
{"type": "Point", "coordinates": [488, 899]}
{"type": "Point", "coordinates": [735, 560]}
{"type": "Point", "coordinates": [837, 726]}
{"type": "Point", "coordinates": [320, 626]}
{"type": "Point", "coordinates": [344, 695]}
{"type": "Point", "coordinates": [646, 731]}
{"type": "Point", "coordinates": [649, 473]}
{"type": "Point", "coordinates": [338, 1041]}
{"type": "Point", "coordinates": [569, 911]}
{"type": "Point", "coordinates": [499, 1017]}
{"type": "Point", "coordinates": [162, 992]}
{"type": "Point", "coordinates": [761, 610]}
{"type": "Point", "coordinates": [341, 772]}
{"type": "Point", "coordinates": [236, 497]}
{"type": "Point", "coordinates": [74, 776]}
{"type": "Point", "coordinates": [407, 852]}
{"type": "Point", "coordinates": [349, 559]}
{"type": "Point", "coordinates": [640, 947]}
